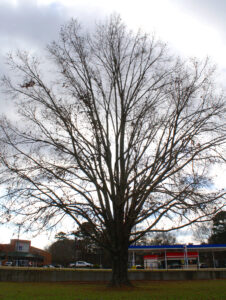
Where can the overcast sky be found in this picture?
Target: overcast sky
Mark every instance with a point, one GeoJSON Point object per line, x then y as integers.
{"type": "Point", "coordinates": [191, 28]}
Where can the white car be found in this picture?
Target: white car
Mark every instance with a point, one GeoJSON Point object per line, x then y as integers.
{"type": "Point", "coordinates": [8, 263]}
{"type": "Point", "coordinates": [81, 264]}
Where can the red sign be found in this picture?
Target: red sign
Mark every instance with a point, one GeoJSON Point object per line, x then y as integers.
{"type": "Point", "coordinates": [155, 256]}
{"type": "Point", "coordinates": [180, 255]}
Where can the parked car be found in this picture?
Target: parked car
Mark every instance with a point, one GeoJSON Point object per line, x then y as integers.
{"type": "Point", "coordinates": [8, 264]}
{"type": "Point", "coordinates": [80, 264]}
{"type": "Point", "coordinates": [48, 266]}
{"type": "Point", "coordinates": [139, 267]}
{"type": "Point", "coordinates": [203, 265]}
{"type": "Point", "coordinates": [58, 266]}
{"type": "Point", "coordinates": [175, 266]}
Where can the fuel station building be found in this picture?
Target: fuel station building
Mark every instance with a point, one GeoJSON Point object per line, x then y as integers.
{"type": "Point", "coordinates": [178, 256]}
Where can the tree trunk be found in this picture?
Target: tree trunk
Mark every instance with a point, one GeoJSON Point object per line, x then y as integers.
{"type": "Point", "coordinates": [120, 268]}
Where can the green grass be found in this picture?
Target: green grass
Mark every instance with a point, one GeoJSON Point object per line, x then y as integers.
{"type": "Point", "coordinates": [184, 290]}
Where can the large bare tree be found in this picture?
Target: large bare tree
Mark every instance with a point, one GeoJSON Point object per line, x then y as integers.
{"type": "Point", "coordinates": [119, 133]}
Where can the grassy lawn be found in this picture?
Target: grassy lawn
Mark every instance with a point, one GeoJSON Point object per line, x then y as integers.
{"type": "Point", "coordinates": [214, 289]}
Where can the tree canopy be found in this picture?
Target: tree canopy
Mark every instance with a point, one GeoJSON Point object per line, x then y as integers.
{"type": "Point", "coordinates": [163, 238]}
{"type": "Point", "coordinates": [62, 251]}
{"type": "Point", "coordinates": [118, 133]}
{"type": "Point", "coordinates": [218, 235]}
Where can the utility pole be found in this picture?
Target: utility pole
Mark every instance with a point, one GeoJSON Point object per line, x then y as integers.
{"type": "Point", "coordinates": [19, 227]}
{"type": "Point", "coordinates": [186, 256]}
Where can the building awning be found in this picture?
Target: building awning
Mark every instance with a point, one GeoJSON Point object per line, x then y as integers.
{"type": "Point", "coordinates": [24, 255]}
{"type": "Point", "coordinates": [200, 248]}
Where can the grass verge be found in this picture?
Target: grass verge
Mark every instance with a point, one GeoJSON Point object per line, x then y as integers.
{"type": "Point", "coordinates": [183, 290]}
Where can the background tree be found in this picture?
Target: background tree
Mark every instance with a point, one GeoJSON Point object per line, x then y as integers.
{"type": "Point", "coordinates": [88, 249]}
{"type": "Point", "coordinates": [218, 235]}
{"type": "Point", "coordinates": [118, 134]}
{"type": "Point", "coordinates": [66, 250]}
{"type": "Point", "coordinates": [84, 236]}
{"type": "Point", "coordinates": [61, 236]}
{"type": "Point", "coordinates": [159, 238]}
{"type": "Point", "coordinates": [163, 238]}
{"type": "Point", "coordinates": [62, 250]}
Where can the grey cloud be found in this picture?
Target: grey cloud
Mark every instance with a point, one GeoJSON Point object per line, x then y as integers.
{"type": "Point", "coordinates": [209, 11]}
{"type": "Point", "coordinates": [29, 24]}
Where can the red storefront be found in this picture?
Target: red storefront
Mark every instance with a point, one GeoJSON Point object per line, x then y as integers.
{"type": "Point", "coordinates": [21, 253]}
{"type": "Point", "coordinates": [171, 260]}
